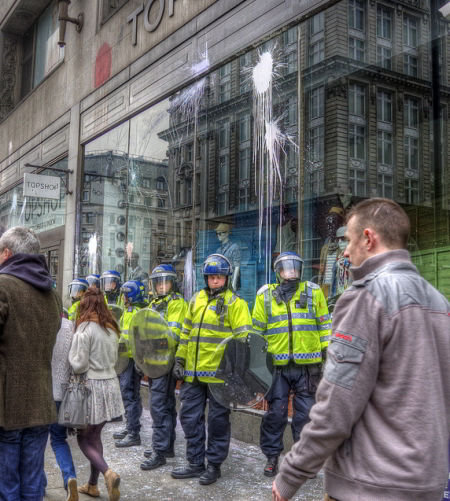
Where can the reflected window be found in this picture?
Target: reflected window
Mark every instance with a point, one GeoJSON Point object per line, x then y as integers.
{"type": "Point", "coordinates": [316, 24]}
{"type": "Point", "coordinates": [356, 14]}
{"type": "Point", "coordinates": [316, 102]}
{"type": "Point", "coordinates": [225, 83]}
{"type": "Point", "coordinates": [161, 203]}
{"type": "Point", "coordinates": [410, 31]}
{"type": "Point", "coordinates": [356, 97]}
{"type": "Point", "coordinates": [411, 153]}
{"type": "Point", "coordinates": [385, 186]}
{"type": "Point", "coordinates": [384, 57]}
{"type": "Point", "coordinates": [384, 106]}
{"type": "Point", "coordinates": [412, 191]}
{"type": "Point", "coordinates": [160, 183]}
{"type": "Point", "coordinates": [411, 113]}
{"type": "Point", "coordinates": [161, 225]}
{"type": "Point", "coordinates": [384, 147]}
{"type": "Point", "coordinates": [317, 182]}
{"type": "Point", "coordinates": [316, 138]}
{"type": "Point", "coordinates": [384, 22]}
{"type": "Point", "coordinates": [357, 182]}
{"type": "Point", "coordinates": [245, 81]}
{"type": "Point", "coordinates": [316, 52]}
{"type": "Point", "coordinates": [410, 65]}
{"type": "Point", "coordinates": [356, 48]}
{"type": "Point", "coordinates": [357, 142]}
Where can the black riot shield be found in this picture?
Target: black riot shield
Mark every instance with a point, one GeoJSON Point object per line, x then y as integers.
{"type": "Point", "coordinates": [245, 374]}
{"type": "Point", "coordinates": [116, 310]}
{"type": "Point", "coordinates": [152, 343]}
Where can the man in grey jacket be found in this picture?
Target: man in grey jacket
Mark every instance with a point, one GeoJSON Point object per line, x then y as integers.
{"type": "Point", "coordinates": [382, 418]}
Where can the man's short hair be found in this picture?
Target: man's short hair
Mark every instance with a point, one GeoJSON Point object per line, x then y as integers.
{"type": "Point", "coordinates": [20, 240]}
{"type": "Point", "coordinates": [384, 216]}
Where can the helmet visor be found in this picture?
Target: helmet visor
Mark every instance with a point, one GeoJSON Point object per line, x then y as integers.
{"type": "Point", "coordinates": [108, 284]}
{"type": "Point", "coordinates": [288, 269]}
{"type": "Point", "coordinates": [93, 281]}
{"type": "Point", "coordinates": [77, 291]}
{"type": "Point", "coordinates": [162, 285]}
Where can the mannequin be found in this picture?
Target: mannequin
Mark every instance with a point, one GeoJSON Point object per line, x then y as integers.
{"type": "Point", "coordinates": [330, 249]}
{"type": "Point", "coordinates": [286, 234]}
{"type": "Point", "coordinates": [230, 250]}
{"type": "Point", "coordinates": [341, 279]}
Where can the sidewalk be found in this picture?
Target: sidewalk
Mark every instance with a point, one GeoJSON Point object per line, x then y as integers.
{"type": "Point", "coordinates": [242, 477]}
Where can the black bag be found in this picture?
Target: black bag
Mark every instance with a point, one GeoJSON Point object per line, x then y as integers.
{"type": "Point", "coordinates": [73, 411]}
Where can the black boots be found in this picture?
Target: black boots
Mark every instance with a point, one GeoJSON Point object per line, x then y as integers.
{"type": "Point", "coordinates": [271, 468]}
{"type": "Point", "coordinates": [212, 473]}
{"type": "Point", "coordinates": [167, 454]}
{"type": "Point", "coordinates": [156, 460]}
{"type": "Point", "coordinates": [189, 471]}
{"type": "Point", "coordinates": [118, 435]}
{"type": "Point", "coordinates": [129, 441]}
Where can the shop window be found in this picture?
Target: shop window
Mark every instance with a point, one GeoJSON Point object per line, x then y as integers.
{"type": "Point", "coordinates": [40, 51]}
{"type": "Point", "coordinates": [356, 48]}
{"type": "Point", "coordinates": [356, 14]}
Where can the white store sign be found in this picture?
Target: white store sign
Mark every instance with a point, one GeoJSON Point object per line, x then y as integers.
{"type": "Point", "coordinates": [38, 186]}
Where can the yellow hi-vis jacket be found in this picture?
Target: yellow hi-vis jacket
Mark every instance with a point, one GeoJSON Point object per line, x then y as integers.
{"type": "Point", "coordinates": [73, 311]}
{"type": "Point", "coordinates": [125, 321]}
{"type": "Point", "coordinates": [173, 307]}
{"type": "Point", "coordinates": [299, 330]}
{"type": "Point", "coordinates": [208, 322]}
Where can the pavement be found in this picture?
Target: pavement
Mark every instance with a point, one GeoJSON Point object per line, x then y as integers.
{"type": "Point", "coordinates": [242, 477]}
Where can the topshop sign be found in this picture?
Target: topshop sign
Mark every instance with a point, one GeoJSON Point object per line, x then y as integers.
{"type": "Point", "coordinates": [38, 186]}
{"type": "Point", "coordinates": [149, 26]}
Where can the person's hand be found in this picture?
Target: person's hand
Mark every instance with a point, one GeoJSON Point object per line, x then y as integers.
{"type": "Point", "coordinates": [276, 496]}
{"type": "Point", "coordinates": [178, 369]}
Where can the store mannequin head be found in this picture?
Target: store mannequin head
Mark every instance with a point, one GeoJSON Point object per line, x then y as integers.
{"type": "Point", "coordinates": [223, 232]}
{"type": "Point", "coordinates": [134, 261]}
{"type": "Point", "coordinates": [342, 240]}
{"type": "Point", "coordinates": [334, 220]}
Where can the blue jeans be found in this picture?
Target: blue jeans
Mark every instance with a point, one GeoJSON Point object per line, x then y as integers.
{"type": "Point", "coordinates": [61, 449]}
{"type": "Point", "coordinates": [22, 463]}
{"type": "Point", "coordinates": [130, 385]}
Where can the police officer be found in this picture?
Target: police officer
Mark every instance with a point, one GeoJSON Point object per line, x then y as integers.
{"type": "Point", "coordinates": [77, 288]}
{"type": "Point", "coordinates": [110, 286]}
{"type": "Point", "coordinates": [130, 379]}
{"type": "Point", "coordinates": [293, 317]}
{"type": "Point", "coordinates": [169, 303]}
{"type": "Point", "coordinates": [214, 314]}
{"type": "Point", "coordinates": [93, 280]}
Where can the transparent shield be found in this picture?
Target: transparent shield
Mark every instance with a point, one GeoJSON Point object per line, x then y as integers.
{"type": "Point", "coordinates": [123, 358]}
{"type": "Point", "coordinates": [152, 343]}
{"type": "Point", "coordinates": [117, 311]}
{"type": "Point", "coordinates": [245, 372]}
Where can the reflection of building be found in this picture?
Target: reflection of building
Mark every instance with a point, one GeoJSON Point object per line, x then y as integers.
{"type": "Point", "coordinates": [125, 199]}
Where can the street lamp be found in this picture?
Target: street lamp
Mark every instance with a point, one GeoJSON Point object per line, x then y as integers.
{"type": "Point", "coordinates": [64, 19]}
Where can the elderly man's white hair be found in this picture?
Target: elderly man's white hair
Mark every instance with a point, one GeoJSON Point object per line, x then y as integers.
{"type": "Point", "coordinates": [20, 240]}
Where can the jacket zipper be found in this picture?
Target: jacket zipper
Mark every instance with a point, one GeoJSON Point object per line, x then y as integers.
{"type": "Point", "coordinates": [290, 329]}
{"type": "Point", "coordinates": [198, 335]}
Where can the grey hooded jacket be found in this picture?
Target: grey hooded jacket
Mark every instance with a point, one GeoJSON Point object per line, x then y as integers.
{"type": "Point", "coordinates": [382, 418]}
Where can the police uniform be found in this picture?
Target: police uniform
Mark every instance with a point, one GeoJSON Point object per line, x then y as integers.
{"type": "Point", "coordinates": [298, 332]}
{"type": "Point", "coordinates": [73, 311]}
{"type": "Point", "coordinates": [208, 322]}
{"type": "Point", "coordinates": [162, 401]}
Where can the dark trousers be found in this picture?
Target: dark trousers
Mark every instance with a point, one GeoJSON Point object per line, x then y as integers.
{"type": "Point", "coordinates": [130, 385]}
{"type": "Point", "coordinates": [161, 400]}
{"type": "Point", "coordinates": [303, 381]}
{"type": "Point", "coordinates": [193, 398]}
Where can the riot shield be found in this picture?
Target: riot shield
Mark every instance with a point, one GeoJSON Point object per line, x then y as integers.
{"type": "Point", "coordinates": [152, 343]}
{"type": "Point", "coordinates": [123, 359]}
{"type": "Point", "coordinates": [244, 372]}
{"type": "Point", "coordinates": [117, 311]}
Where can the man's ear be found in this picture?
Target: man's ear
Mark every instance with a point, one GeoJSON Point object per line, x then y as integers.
{"type": "Point", "coordinates": [371, 239]}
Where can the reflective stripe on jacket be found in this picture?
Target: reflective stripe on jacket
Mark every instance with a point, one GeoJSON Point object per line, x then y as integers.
{"type": "Point", "coordinates": [205, 327]}
{"type": "Point", "coordinates": [299, 330]}
{"type": "Point", "coordinates": [125, 321]}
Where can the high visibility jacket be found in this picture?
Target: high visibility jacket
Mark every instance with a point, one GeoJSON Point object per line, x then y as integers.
{"type": "Point", "coordinates": [125, 321]}
{"type": "Point", "coordinates": [173, 309]}
{"type": "Point", "coordinates": [208, 322]}
{"type": "Point", "coordinates": [73, 311]}
{"type": "Point", "coordinates": [299, 330]}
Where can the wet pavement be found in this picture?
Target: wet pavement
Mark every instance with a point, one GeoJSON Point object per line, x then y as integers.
{"type": "Point", "coordinates": [242, 477]}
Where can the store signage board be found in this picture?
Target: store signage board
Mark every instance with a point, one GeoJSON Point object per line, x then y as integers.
{"type": "Point", "coordinates": [38, 186]}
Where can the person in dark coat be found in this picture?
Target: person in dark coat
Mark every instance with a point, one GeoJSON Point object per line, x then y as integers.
{"type": "Point", "coordinates": [30, 317]}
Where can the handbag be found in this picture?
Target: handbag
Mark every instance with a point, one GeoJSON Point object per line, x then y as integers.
{"type": "Point", "coordinates": [73, 411]}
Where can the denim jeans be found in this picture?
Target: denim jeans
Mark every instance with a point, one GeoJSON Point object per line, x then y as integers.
{"type": "Point", "coordinates": [61, 449]}
{"type": "Point", "coordinates": [22, 463]}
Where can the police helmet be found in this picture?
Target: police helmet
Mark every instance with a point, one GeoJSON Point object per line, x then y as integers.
{"type": "Point", "coordinates": [163, 274]}
{"type": "Point", "coordinates": [93, 280]}
{"type": "Point", "coordinates": [288, 266]}
{"type": "Point", "coordinates": [216, 264]}
{"type": "Point", "coordinates": [134, 291]}
{"type": "Point", "coordinates": [77, 288]}
{"type": "Point", "coordinates": [110, 281]}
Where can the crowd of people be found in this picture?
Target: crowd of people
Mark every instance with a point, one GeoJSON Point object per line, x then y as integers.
{"type": "Point", "coordinates": [371, 394]}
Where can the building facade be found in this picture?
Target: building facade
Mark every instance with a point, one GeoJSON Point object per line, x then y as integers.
{"type": "Point", "coordinates": [240, 126]}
